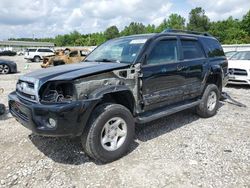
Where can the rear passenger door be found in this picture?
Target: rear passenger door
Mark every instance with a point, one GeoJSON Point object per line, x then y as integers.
{"type": "Point", "coordinates": [193, 66]}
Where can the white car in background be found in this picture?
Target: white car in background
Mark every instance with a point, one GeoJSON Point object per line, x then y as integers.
{"type": "Point", "coordinates": [239, 68]}
{"type": "Point", "coordinates": [37, 54]}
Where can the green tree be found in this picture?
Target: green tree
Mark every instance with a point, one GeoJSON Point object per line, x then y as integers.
{"type": "Point", "coordinates": [111, 32]}
{"type": "Point", "coordinates": [73, 37]}
{"type": "Point", "coordinates": [150, 28]}
{"type": "Point", "coordinates": [198, 21]}
{"type": "Point", "coordinates": [163, 25]}
{"type": "Point", "coordinates": [175, 21]}
{"type": "Point", "coordinates": [229, 31]}
{"type": "Point", "coordinates": [134, 28]}
{"type": "Point", "coordinates": [245, 24]}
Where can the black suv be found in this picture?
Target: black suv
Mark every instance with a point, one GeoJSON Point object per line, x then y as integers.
{"type": "Point", "coordinates": [123, 82]}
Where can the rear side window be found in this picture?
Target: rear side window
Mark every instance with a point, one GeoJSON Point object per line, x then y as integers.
{"type": "Point", "coordinates": [191, 49]}
{"type": "Point", "coordinates": [44, 50]}
{"type": "Point", "coordinates": [73, 54]}
{"type": "Point", "coordinates": [213, 47]}
{"type": "Point", "coordinates": [32, 50]}
{"type": "Point", "coordinates": [164, 51]}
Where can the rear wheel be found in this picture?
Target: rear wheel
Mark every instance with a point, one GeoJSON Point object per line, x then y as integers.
{"type": "Point", "coordinates": [210, 102]}
{"type": "Point", "coordinates": [37, 59]}
{"type": "Point", "coordinates": [4, 69]}
{"type": "Point", "coordinates": [110, 133]}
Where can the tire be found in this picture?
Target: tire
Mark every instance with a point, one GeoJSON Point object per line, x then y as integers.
{"type": "Point", "coordinates": [4, 69]}
{"type": "Point", "coordinates": [2, 109]}
{"type": "Point", "coordinates": [209, 102]}
{"type": "Point", "coordinates": [37, 59]}
{"type": "Point", "coordinates": [99, 140]}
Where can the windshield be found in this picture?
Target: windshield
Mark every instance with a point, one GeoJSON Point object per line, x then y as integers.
{"type": "Point", "coordinates": [241, 56]}
{"type": "Point", "coordinates": [229, 54]}
{"type": "Point", "coordinates": [123, 50]}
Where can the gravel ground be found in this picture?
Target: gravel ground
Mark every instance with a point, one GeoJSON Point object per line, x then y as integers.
{"type": "Point", "coordinates": [181, 150]}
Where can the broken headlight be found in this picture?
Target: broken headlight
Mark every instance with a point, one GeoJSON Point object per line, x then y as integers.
{"type": "Point", "coordinates": [57, 92]}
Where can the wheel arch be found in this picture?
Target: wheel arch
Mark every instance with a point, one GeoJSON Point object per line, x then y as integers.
{"type": "Point", "coordinates": [116, 94]}
{"type": "Point", "coordinates": [215, 77]}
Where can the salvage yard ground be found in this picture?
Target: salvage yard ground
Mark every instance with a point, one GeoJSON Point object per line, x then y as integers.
{"type": "Point", "coordinates": [181, 150]}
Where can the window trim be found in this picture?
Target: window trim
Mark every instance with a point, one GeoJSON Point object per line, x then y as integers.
{"type": "Point", "coordinates": [195, 40]}
{"type": "Point", "coordinates": [154, 43]}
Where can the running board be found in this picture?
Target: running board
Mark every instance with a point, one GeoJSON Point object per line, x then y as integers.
{"type": "Point", "coordinates": [151, 116]}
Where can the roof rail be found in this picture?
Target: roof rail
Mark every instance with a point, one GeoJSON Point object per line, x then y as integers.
{"type": "Point", "coordinates": [185, 31]}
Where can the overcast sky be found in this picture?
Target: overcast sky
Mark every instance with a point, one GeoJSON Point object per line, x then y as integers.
{"type": "Point", "coordinates": [47, 18]}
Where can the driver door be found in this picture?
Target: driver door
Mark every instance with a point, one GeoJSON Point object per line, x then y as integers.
{"type": "Point", "coordinates": [163, 78]}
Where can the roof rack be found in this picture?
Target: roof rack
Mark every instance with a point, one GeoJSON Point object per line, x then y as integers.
{"type": "Point", "coordinates": [185, 31]}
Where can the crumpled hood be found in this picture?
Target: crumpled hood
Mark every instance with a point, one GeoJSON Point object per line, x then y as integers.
{"type": "Point", "coordinates": [73, 71]}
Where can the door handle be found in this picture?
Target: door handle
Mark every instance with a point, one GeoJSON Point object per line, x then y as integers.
{"type": "Point", "coordinates": [180, 68]}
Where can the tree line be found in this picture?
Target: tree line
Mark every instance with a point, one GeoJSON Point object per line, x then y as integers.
{"type": "Point", "coordinates": [229, 31]}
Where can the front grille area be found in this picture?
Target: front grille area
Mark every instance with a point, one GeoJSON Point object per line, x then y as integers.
{"type": "Point", "coordinates": [238, 81]}
{"type": "Point", "coordinates": [17, 110]}
{"type": "Point", "coordinates": [238, 72]}
{"type": "Point", "coordinates": [27, 96]}
{"type": "Point", "coordinates": [26, 90]}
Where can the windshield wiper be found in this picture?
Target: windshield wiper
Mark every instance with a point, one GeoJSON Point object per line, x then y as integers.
{"type": "Point", "coordinates": [107, 60]}
{"type": "Point", "coordinates": [86, 60]}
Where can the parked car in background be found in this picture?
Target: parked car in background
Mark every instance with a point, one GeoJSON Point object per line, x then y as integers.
{"type": "Point", "coordinates": [230, 53]}
{"type": "Point", "coordinates": [66, 56]}
{"type": "Point", "coordinates": [7, 67]}
{"type": "Point", "coordinates": [239, 68]}
{"type": "Point", "coordinates": [7, 53]}
{"type": "Point", "coordinates": [21, 52]}
{"type": "Point", "coordinates": [37, 54]}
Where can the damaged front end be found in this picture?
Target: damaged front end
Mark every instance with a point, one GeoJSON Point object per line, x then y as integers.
{"type": "Point", "coordinates": [56, 92]}
{"type": "Point", "coordinates": [63, 107]}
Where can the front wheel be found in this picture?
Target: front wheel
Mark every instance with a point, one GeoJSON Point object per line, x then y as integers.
{"type": "Point", "coordinates": [4, 69]}
{"type": "Point", "coordinates": [110, 133]}
{"type": "Point", "coordinates": [209, 102]}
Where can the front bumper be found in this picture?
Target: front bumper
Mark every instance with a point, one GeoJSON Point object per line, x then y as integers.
{"type": "Point", "coordinates": [70, 118]}
{"type": "Point", "coordinates": [239, 80]}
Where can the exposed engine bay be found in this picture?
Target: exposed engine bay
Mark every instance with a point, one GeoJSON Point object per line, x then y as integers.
{"type": "Point", "coordinates": [58, 92]}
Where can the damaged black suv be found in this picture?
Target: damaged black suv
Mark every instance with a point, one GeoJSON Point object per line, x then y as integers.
{"type": "Point", "coordinates": [125, 81]}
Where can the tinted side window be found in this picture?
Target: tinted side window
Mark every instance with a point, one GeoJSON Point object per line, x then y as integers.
{"type": "Point", "coordinates": [31, 50]}
{"type": "Point", "coordinates": [164, 51]}
{"type": "Point", "coordinates": [48, 50]}
{"type": "Point", "coordinates": [213, 47]}
{"type": "Point", "coordinates": [44, 50]}
{"type": "Point", "coordinates": [73, 54]}
{"type": "Point", "coordinates": [191, 49]}
{"type": "Point", "coordinates": [40, 50]}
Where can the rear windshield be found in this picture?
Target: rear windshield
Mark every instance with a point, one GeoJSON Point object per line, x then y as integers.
{"type": "Point", "coordinates": [213, 47]}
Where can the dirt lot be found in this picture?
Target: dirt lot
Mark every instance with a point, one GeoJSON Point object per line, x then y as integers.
{"type": "Point", "coordinates": [182, 150]}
